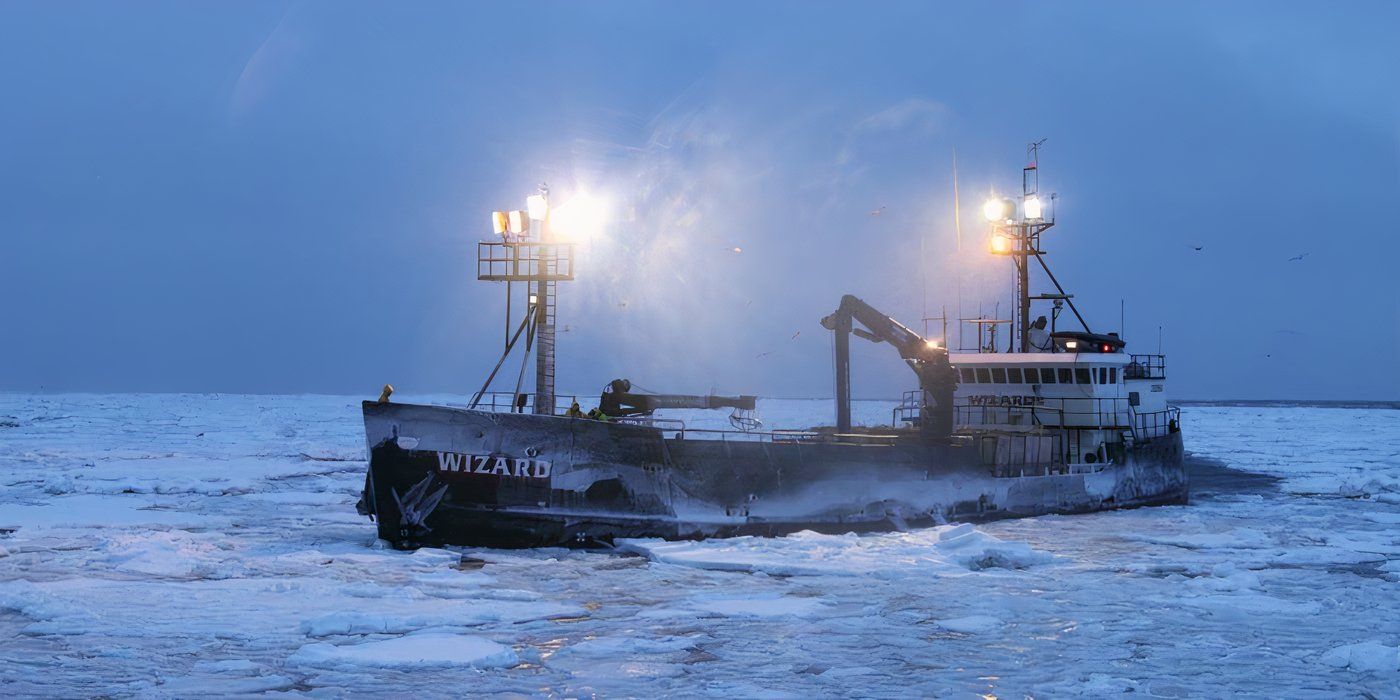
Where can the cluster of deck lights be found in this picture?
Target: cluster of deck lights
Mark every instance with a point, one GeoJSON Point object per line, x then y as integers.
{"type": "Point", "coordinates": [1002, 211]}
{"type": "Point", "coordinates": [578, 220]}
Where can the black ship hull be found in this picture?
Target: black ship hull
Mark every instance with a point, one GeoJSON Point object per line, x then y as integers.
{"type": "Point", "coordinates": [451, 476]}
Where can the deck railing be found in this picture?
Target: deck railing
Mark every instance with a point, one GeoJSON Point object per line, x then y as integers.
{"type": "Point", "coordinates": [911, 407]}
{"type": "Point", "coordinates": [507, 402]}
{"type": "Point", "coordinates": [1077, 414]}
{"type": "Point", "coordinates": [1156, 424]}
{"type": "Point", "coordinates": [1145, 367]}
{"type": "Point", "coordinates": [522, 261]}
{"type": "Point", "coordinates": [1106, 413]}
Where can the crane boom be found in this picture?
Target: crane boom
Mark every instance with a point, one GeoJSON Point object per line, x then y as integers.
{"type": "Point", "coordinates": [937, 379]}
{"type": "Point", "coordinates": [619, 400]}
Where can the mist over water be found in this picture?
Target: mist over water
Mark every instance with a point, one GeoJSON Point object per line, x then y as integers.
{"type": "Point", "coordinates": [286, 198]}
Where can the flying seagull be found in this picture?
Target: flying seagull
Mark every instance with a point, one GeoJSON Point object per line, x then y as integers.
{"type": "Point", "coordinates": [1197, 248]}
{"type": "Point", "coordinates": [877, 212]}
{"type": "Point", "coordinates": [1298, 257]}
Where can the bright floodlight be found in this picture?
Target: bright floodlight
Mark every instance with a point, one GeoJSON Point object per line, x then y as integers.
{"type": "Point", "coordinates": [519, 222]}
{"type": "Point", "coordinates": [538, 206]}
{"type": "Point", "coordinates": [932, 344]}
{"type": "Point", "coordinates": [500, 223]}
{"type": "Point", "coordinates": [1032, 207]}
{"type": "Point", "coordinates": [579, 219]}
{"type": "Point", "coordinates": [996, 209]}
{"type": "Point", "coordinates": [1001, 245]}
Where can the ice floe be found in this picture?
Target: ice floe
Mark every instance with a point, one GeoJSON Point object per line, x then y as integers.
{"type": "Point", "coordinates": [1364, 656]}
{"type": "Point", "coordinates": [971, 624]}
{"type": "Point", "coordinates": [416, 651]}
{"type": "Point", "coordinates": [949, 550]}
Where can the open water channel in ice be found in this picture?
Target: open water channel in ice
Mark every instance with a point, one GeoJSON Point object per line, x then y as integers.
{"type": "Point", "coordinates": [173, 545]}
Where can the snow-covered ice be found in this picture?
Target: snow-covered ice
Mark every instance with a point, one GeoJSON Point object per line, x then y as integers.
{"type": "Point", "coordinates": [173, 545]}
{"type": "Point", "coordinates": [411, 651]}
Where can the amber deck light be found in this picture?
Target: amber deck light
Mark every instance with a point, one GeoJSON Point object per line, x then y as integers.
{"type": "Point", "coordinates": [1001, 245]}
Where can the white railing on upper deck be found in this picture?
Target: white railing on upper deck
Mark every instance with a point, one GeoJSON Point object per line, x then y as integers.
{"type": "Point", "coordinates": [1077, 413]}
{"type": "Point", "coordinates": [1106, 413]}
{"type": "Point", "coordinates": [1145, 367]}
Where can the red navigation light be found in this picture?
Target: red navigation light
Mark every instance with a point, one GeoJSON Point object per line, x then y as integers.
{"type": "Point", "coordinates": [1105, 347]}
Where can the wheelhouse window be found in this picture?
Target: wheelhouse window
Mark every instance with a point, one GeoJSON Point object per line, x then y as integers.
{"type": "Point", "coordinates": [1047, 375]}
{"type": "Point", "coordinates": [983, 376]}
{"type": "Point", "coordinates": [1013, 375]}
{"type": "Point", "coordinates": [968, 376]}
{"type": "Point", "coordinates": [1081, 375]}
{"type": "Point", "coordinates": [1103, 375]}
{"type": "Point", "coordinates": [1112, 375]}
{"type": "Point", "coordinates": [1032, 375]}
{"type": "Point", "coordinates": [998, 375]}
{"type": "Point", "coordinates": [1066, 377]}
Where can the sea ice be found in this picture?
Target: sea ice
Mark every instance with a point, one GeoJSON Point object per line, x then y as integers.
{"type": "Point", "coordinates": [414, 651]}
{"type": "Point", "coordinates": [972, 624]}
{"type": "Point", "coordinates": [1364, 656]}
{"type": "Point", "coordinates": [173, 545]}
{"type": "Point", "coordinates": [949, 550]}
{"type": "Point", "coordinates": [756, 605]}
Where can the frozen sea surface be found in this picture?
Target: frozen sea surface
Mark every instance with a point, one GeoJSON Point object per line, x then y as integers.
{"type": "Point", "coordinates": [173, 545]}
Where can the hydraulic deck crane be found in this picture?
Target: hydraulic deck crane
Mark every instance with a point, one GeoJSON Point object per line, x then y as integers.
{"type": "Point", "coordinates": [937, 378]}
{"type": "Point", "coordinates": [618, 400]}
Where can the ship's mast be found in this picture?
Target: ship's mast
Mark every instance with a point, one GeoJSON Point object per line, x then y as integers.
{"type": "Point", "coordinates": [1016, 233]}
{"type": "Point", "coordinates": [543, 292]}
{"type": "Point", "coordinates": [540, 261]}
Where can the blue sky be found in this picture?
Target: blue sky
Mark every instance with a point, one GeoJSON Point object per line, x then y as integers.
{"type": "Point", "coordinates": [285, 197]}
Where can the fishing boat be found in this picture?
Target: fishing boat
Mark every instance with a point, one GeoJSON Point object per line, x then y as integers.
{"type": "Point", "coordinates": [1031, 420]}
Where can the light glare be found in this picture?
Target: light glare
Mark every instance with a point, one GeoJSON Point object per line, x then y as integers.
{"type": "Point", "coordinates": [995, 209]}
{"type": "Point", "coordinates": [580, 219]}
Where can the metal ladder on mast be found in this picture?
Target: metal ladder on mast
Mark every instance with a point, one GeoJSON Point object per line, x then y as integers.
{"type": "Point", "coordinates": [544, 334]}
